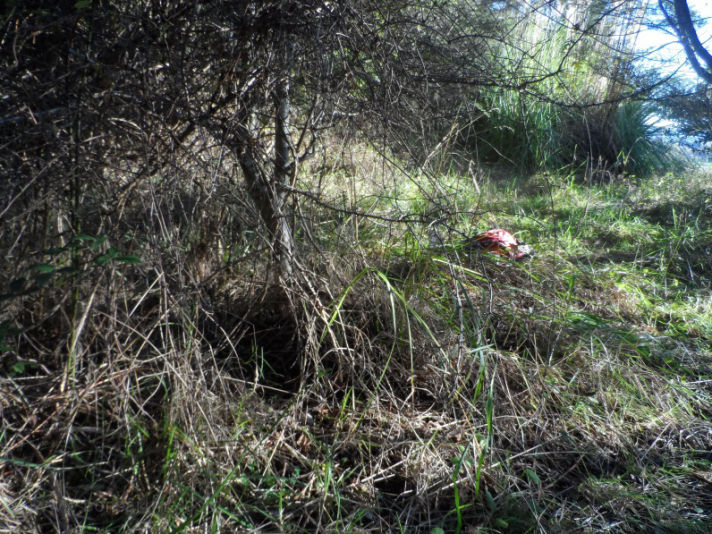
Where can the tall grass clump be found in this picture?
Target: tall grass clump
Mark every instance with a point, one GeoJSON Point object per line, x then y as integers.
{"type": "Point", "coordinates": [640, 143]}
{"type": "Point", "coordinates": [516, 130]}
{"type": "Point", "coordinates": [517, 127]}
{"type": "Point", "coordinates": [577, 115]}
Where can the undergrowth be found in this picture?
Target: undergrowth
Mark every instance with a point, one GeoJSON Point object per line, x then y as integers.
{"type": "Point", "coordinates": [159, 380]}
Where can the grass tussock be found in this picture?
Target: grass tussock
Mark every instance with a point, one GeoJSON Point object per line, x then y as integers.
{"type": "Point", "coordinates": [157, 378]}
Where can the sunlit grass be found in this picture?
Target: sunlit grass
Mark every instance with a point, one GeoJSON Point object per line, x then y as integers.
{"type": "Point", "coordinates": [414, 385]}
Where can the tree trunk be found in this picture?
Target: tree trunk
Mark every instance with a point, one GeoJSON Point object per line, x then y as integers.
{"type": "Point", "coordinates": [270, 202]}
{"type": "Point", "coordinates": [283, 164]}
{"type": "Point", "coordinates": [697, 54]}
{"type": "Point", "coordinates": [267, 189]}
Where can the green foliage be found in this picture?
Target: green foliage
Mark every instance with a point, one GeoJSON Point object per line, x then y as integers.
{"type": "Point", "coordinates": [518, 125]}
{"type": "Point", "coordinates": [691, 111]}
{"type": "Point", "coordinates": [642, 149]}
{"type": "Point", "coordinates": [78, 258]}
{"type": "Point", "coordinates": [517, 129]}
{"type": "Point", "coordinates": [571, 117]}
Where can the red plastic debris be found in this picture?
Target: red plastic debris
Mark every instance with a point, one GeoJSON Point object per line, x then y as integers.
{"type": "Point", "coordinates": [500, 242]}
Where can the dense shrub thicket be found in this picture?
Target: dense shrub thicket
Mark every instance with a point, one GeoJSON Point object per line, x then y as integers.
{"type": "Point", "coordinates": [235, 294]}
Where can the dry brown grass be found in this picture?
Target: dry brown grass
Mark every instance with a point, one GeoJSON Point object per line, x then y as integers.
{"type": "Point", "coordinates": [382, 389]}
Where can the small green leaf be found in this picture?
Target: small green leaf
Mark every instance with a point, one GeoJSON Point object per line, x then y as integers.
{"type": "Point", "coordinates": [100, 240]}
{"type": "Point", "coordinates": [67, 270]}
{"type": "Point", "coordinates": [490, 501]}
{"type": "Point", "coordinates": [437, 530]}
{"type": "Point", "coordinates": [42, 268]}
{"type": "Point", "coordinates": [500, 523]}
{"type": "Point", "coordinates": [84, 238]}
{"type": "Point", "coordinates": [109, 255]}
{"type": "Point", "coordinates": [532, 476]}
{"type": "Point", "coordinates": [82, 4]}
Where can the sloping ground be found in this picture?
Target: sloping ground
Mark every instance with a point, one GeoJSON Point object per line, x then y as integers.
{"type": "Point", "coordinates": [389, 387]}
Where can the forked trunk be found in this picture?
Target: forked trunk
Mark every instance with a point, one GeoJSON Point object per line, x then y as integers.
{"type": "Point", "coordinates": [267, 189]}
